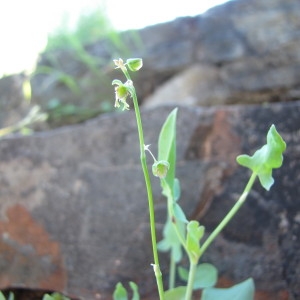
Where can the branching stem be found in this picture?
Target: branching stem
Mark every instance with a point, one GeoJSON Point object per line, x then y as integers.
{"type": "Point", "coordinates": [230, 214]}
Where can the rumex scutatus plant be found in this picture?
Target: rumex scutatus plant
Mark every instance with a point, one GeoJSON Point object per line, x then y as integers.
{"type": "Point", "coordinates": [181, 236]}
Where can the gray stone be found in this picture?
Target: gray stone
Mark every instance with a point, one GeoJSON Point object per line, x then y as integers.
{"type": "Point", "coordinates": [13, 106]}
{"type": "Point", "coordinates": [74, 208]}
{"type": "Point", "coordinates": [198, 85]}
{"type": "Point", "coordinates": [250, 47]}
{"type": "Point", "coordinates": [243, 51]}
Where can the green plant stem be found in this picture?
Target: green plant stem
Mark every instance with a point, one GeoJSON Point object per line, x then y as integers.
{"type": "Point", "coordinates": [156, 266]}
{"type": "Point", "coordinates": [191, 279]}
{"type": "Point", "coordinates": [172, 273]}
{"type": "Point", "coordinates": [230, 214]}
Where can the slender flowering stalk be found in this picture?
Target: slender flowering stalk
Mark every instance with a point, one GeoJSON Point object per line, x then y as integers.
{"type": "Point", "coordinates": [178, 231]}
{"type": "Point", "coordinates": [122, 91]}
{"type": "Point", "coordinates": [230, 214]}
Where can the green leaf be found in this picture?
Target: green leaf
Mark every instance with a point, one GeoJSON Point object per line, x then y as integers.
{"type": "Point", "coordinates": [135, 291]}
{"type": "Point", "coordinates": [170, 241]}
{"type": "Point", "coordinates": [194, 234]}
{"type": "Point", "coordinates": [206, 276]}
{"type": "Point", "coordinates": [179, 213]}
{"type": "Point", "coordinates": [242, 291]}
{"type": "Point", "coordinates": [55, 296]}
{"type": "Point", "coordinates": [120, 292]}
{"type": "Point", "coordinates": [167, 146]}
{"type": "Point", "coordinates": [177, 293]}
{"type": "Point", "coordinates": [171, 189]}
{"type": "Point", "coordinates": [267, 158]}
{"type": "Point", "coordinates": [2, 296]}
{"type": "Point", "coordinates": [183, 273]}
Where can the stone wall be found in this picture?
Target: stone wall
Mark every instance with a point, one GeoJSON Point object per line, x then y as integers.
{"type": "Point", "coordinates": [244, 51]}
{"type": "Point", "coordinates": [74, 208]}
{"type": "Point", "coordinates": [72, 199]}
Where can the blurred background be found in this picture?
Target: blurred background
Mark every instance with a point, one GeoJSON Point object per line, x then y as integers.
{"type": "Point", "coordinates": [33, 26]}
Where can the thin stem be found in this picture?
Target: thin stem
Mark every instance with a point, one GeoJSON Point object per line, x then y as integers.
{"type": "Point", "coordinates": [172, 273]}
{"type": "Point", "coordinates": [156, 266]}
{"type": "Point", "coordinates": [191, 279]}
{"type": "Point", "coordinates": [230, 214]}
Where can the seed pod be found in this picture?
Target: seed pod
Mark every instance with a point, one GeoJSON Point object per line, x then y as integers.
{"type": "Point", "coordinates": [160, 168]}
{"type": "Point", "coordinates": [134, 64]}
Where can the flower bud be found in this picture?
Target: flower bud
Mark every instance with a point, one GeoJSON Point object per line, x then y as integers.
{"type": "Point", "coordinates": [119, 63]}
{"type": "Point", "coordinates": [134, 64]}
{"type": "Point", "coordinates": [160, 168]}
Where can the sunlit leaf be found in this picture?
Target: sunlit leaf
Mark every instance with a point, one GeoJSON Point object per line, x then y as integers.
{"type": "Point", "coordinates": [167, 146]}
{"type": "Point", "coordinates": [267, 158]}
{"type": "Point", "coordinates": [194, 233]}
{"type": "Point", "coordinates": [2, 296]}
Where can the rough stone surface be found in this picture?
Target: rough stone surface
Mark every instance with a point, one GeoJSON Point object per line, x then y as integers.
{"type": "Point", "coordinates": [251, 48]}
{"type": "Point", "coordinates": [240, 52]}
{"type": "Point", "coordinates": [13, 106]}
{"type": "Point", "coordinates": [74, 210]}
{"type": "Point", "coordinates": [196, 85]}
